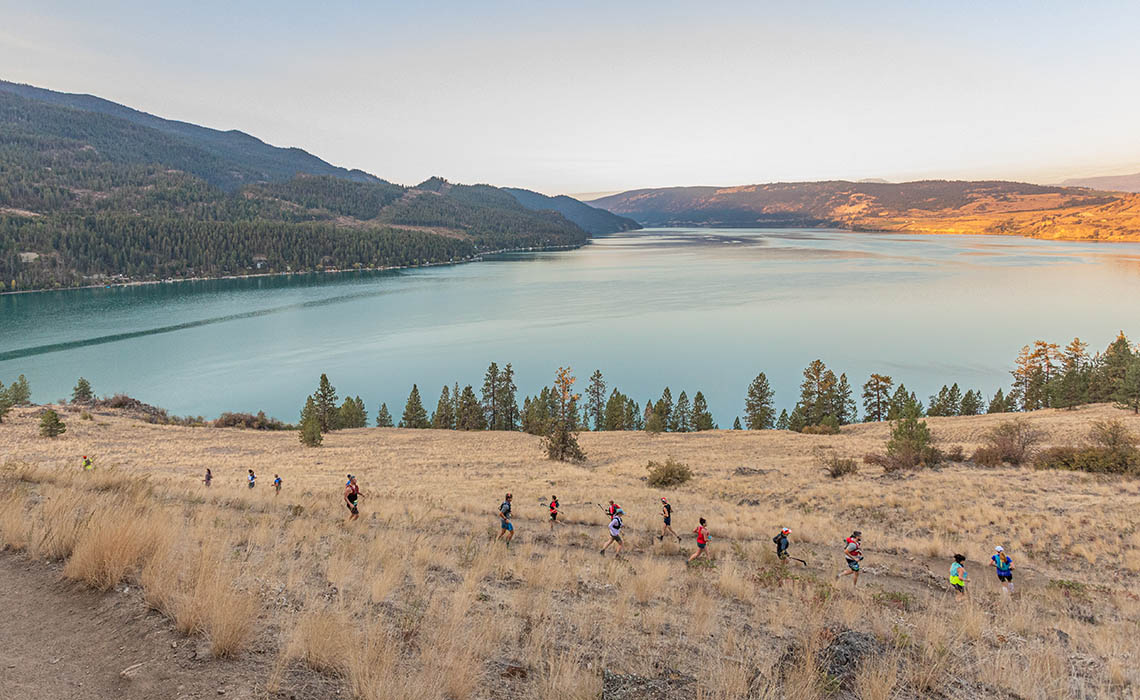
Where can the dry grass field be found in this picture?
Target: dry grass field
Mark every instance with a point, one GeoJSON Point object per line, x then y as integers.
{"type": "Point", "coordinates": [417, 600]}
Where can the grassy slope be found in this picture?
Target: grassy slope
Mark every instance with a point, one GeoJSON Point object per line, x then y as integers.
{"type": "Point", "coordinates": [417, 578]}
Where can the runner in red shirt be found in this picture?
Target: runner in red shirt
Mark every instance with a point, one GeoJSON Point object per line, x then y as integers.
{"type": "Point", "coordinates": [702, 541]}
{"type": "Point", "coordinates": [351, 493]}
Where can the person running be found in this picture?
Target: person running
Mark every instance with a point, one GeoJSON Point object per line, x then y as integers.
{"type": "Point", "coordinates": [88, 463]}
{"type": "Point", "coordinates": [252, 478]}
{"type": "Point", "coordinates": [506, 528]}
{"type": "Point", "coordinates": [276, 484]}
{"type": "Point", "coordinates": [958, 575]}
{"type": "Point", "coordinates": [781, 541]}
{"type": "Point", "coordinates": [209, 478]}
{"type": "Point", "coordinates": [351, 495]}
{"type": "Point", "coordinates": [554, 511]}
{"type": "Point", "coordinates": [853, 555]}
{"type": "Point", "coordinates": [1004, 565]}
{"type": "Point", "coordinates": [667, 521]}
{"type": "Point", "coordinates": [702, 540]}
{"type": "Point", "coordinates": [613, 509]}
{"type": "Point", "coordinates": [615, 533]}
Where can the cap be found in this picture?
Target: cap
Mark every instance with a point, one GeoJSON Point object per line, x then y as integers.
{"type": "Point", "coordinates": [999, 548]}
{"type": "Point", "coordinates": [857, 533]}
{"type": "Point", "coordinates": [786, 531]}
{"type": "Point", "coordinates": [619, 511]}
{"type": "Point", "coordinates": [663, 499]}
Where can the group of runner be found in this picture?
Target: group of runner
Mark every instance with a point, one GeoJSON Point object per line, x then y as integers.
{"type": "Point", "coordinates": [852, 546]}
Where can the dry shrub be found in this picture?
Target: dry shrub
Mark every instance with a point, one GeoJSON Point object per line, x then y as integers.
{"type": "Point", "coordinates": [835, 466]}
{"type": "Point", "coordinates": [1012, 442]}
{"type": "Point", "coordinates": [821, 429]}
{"type": "Point", "coordinates": [322, 640]}
{"type": "Point", "coordinates": [1112, 451]}
{"type": "Point", "coordinates": [112, 545]}
{"type": "Point", "coordinates": [58, 530]}
{"type": "Point", "coordinates": [668, 473]}
{"type": "Point", "coordinates": [14, 533]}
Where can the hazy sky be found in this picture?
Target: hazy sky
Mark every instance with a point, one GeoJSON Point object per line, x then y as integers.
{"type": "Point", "coordinates": [600, 96]}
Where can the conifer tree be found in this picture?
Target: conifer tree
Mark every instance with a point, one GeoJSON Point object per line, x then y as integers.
{"type": "Point", "coordinates": [1128, 392]}
{"type": "Point", "coordinates": [614, 417]}
{"type": "Point", "coordinates": [383, 417]}
{"type": "Point", "coordinates": [562, 442]}
{"type": "Point", "coordinates": [998, 403]}
{"type": "Point", "coordinates": [50, 424]}
{"type": "Point", "coordinates": [971, 403]}
{"type": "Point", "coordinates": [845, 411]}
{"type": "Point", "coordinates": [5, 402]}
{"type": "Point", "coordinates": [20, 393]}
{"type": "Point", "coordinates": [783, 422]}
{"type": "Point", "coordinates": [938, 403]}
{"type": "Point", "coordinates": [508, 402]}
{"type": "Point", "coordinates": [682, 419]}
{"type": "Point", "coordinates": [665, 406]}
{"type": "Point", "coordinates": [596, 399]}
{"type": "Point", "coordinates": [736, 423]}
{"type": "Point", "coordinates": [414, 414]}
{"type": "Point", "coordinates": [325, 401]}
{"type": "Point", "coordinates": [817, 393]}
{"type": "Point", "coordinates": [82, 392]}
{"type": "Point", "coordinates": [702, 418]}
{"type": "Point", "coordinates": [877, 397]}
{"type": "Point", "coordinates": [455, 405]}
{"type": "Point", "coordinates": [471, 411]}
{"type": "Point", "coordinates": [633, 419]}
{"type": "Point", "coordinates": [758, 409]}
{"type": "Point", "coordinates": [796, 419]}
{"type": "Point", "coordinates": [1114, 366]}
{"type": "Point", "coordinates": [491, 395]}
{"type": "Point", "coordinates": [310, 429]}
{"type": "Point", "coordinates": [351, 414]}
{"type": "Point", "coordinates": [898, 403]}
{"type": "Point", "coordinates": [444, 416]}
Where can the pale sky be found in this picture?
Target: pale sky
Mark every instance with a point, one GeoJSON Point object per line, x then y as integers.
{"type": "Point", "coordinates": [605, 96]}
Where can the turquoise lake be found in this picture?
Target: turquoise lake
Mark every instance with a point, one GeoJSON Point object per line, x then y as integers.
{"type": "Point", "coordinates": [692, 309]}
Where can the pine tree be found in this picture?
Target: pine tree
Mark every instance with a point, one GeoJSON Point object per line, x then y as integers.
{"type": "Point", "coordinates": [20, 393]}
{"type": "Point", "coordinates": [455, 406]}
{"type": "Point", "coordinates": [971, 403]}
{"type": "Point", "coordinates": [783, 422]}
{"type": "Point", "coordinates": [877, 397]}
{"type": "Point", "coordinates": [898, 403]}
{"type": "Point", "coordinates": [938, 402]}
{"type": "Point", "coordinates": [310, 432]}
{"type": "Point", "coordinates": [471, 411]}
{"type": "Point", "coordinates": [351, 413]}
{"type": "Point", "coordinates": [414, 414]}
{"type": "Point", "coordinates": [634, 418]}
{"type": "Point", "coordinates": [491, 395]}
{"type": "Point", "coordinates": [50, 424]}
{"type": "Point", "coordinates": [509, 405]}
{"type": "Point", "coordinates": [758, 409]}
{"type": "Point", "coordinates": [736, 423]}
{"type": "Point", "coordinates": [1114, 366]}
{"type": "Point", "coordinates": [845, 409]}
{"type": "Point", "coordinates": [998, 403]}
{"type": "Point", "coordinates": [5, 402]}
{"type": "Point", "coordinates": [616, 415]}
{"type": "Point", "coordinates": [818, 393]}
{"type": "Point", "coordinates": [325, 400]}
{"type": "Point", "coordinates": [665, 406]}
{"type": "Point", "coordinates": [383, 417]}
{"type": "Point", "coordinates": [1128, 392]}
{"type": "Point", "coordinates": [82, 392]}
{"type": "Point", "coordinates": [562, 442]}
{"type": "Point", "coordinates": [444, 416]}
{"type": "Point", "coordinates": [796, 419]}
{"type": "Point", "coordinates": [682, 419]}
{"type": "Point", "coordinates": [702, 418]}
{"type": "Point", "coordinates": [596, 399]}
{"type": "Point", "coordinates": [953, 403]}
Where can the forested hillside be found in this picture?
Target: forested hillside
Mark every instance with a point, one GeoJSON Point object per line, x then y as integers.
{"type": "Point", "coordinates": [593, 220]}
{"type": "Point", "coordinates": [88, 197]}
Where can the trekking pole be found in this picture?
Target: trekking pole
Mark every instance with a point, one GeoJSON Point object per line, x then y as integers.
{"type": "Point", "coordinates": [799, 560]}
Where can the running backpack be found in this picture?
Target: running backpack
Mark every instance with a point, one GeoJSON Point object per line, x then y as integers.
{"type": "Point", "coordinates": [616, 523]}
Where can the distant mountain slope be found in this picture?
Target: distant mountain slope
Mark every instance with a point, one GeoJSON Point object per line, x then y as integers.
{"type": "Point", "coordinates": [1117, 183]}
{"type": "Point", "coordinates": [930, 206]}
{"type": "Point", "coordinates": [591, 219]}
{"type": "Point", "coordinates": [227, 159]}
{"type": "Point", "coordinates": [87, 197]}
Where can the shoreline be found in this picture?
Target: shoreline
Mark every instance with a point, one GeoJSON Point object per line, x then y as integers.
{"type": "Point", "coordinates": [141, 283]}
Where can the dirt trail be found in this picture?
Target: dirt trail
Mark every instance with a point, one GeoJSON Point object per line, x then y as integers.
{"type": "Point", "coordinates": [61, 641]}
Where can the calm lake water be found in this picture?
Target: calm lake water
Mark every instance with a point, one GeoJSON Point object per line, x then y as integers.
{"type": "Point", "coordinates": [692, 309]}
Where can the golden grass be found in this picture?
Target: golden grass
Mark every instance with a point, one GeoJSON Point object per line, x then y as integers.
{"type": "Point", "coordinates": [416, 600]}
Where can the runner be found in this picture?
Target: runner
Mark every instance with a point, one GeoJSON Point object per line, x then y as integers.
{"type": "Point", "coordinates": [613, 509]}
{"type": "Point", "coordinates": [781, 541]}
{"type": "Point", "coordinates": [615, 533]}
{"type": "Point", "coordinates": [1004, 565]}
{"type": "Point", "coordinates": [958, 575]}
{"type": "Point", "coordinates": [88, 463]}
{"type": "Point", "coordinates": [351, 494]}
{"type": "Point", "coordinates": [506, 529]}
{"type": "Point", "coordinates": [853, 555]}
{"type": "Point", "coordinates": [667, 518]}
{"type": "Point", "coordinates": [209, 478]}
{"type": "Point", "coordinates": [702, 541]}
{"type": "Point", "coordinates": [252, 478]}
{"type": "Point", "coordinates": [276, 484]}
{"type": "Point", "coordinates": [554, 512]}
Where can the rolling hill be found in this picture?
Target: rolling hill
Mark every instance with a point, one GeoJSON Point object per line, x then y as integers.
{"type": "Point", "coordinates": [931, 206]}
{"type": "Point", "coordinates": [93, 192]}
{"type": "Point", "coordinates": [591, 219]}
{"type": "Point", "coordinates": [1117, 183]}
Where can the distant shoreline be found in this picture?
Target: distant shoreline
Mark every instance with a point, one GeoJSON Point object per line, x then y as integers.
{"type": "Point", "coordinates": [141, 283]}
